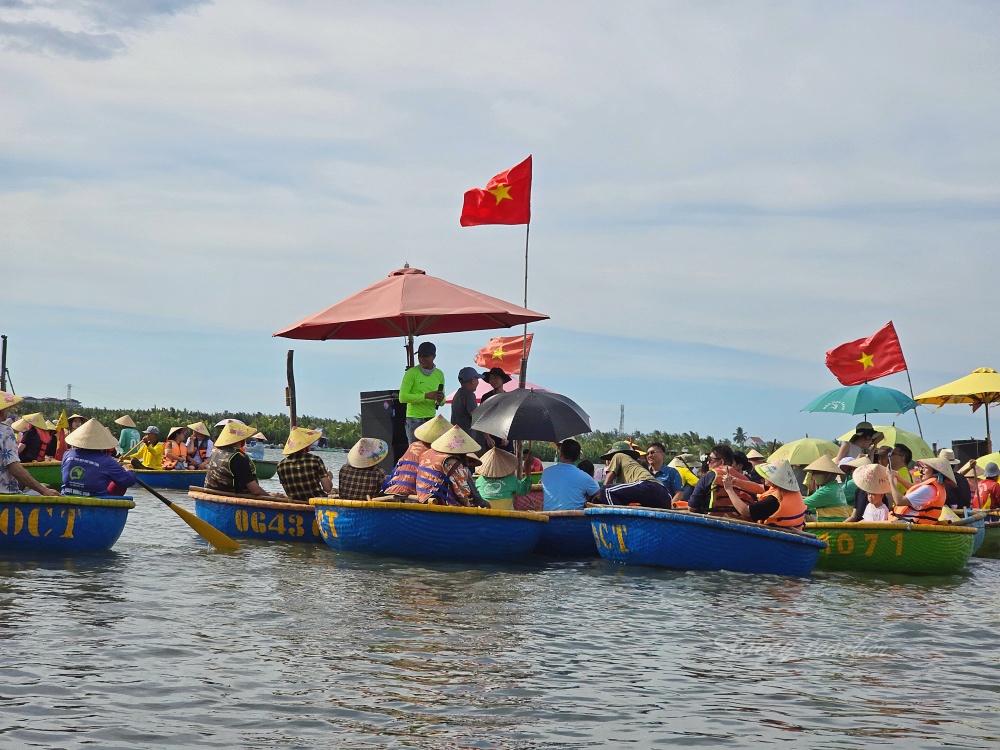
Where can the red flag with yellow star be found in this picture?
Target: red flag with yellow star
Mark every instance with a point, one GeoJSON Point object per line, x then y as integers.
{"type": "Point", "coordinates": [866, 359]}
{"type": "Point", "coordinates": [505, 200]}
{"type": "Point", "coordinates": [505, 353]}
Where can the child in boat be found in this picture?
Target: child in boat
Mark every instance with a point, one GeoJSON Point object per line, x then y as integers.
{"type": "Point", "coordinates": [88, 468]}
{"type": "Point", "coordinates": [876, 481]}
{"type": "Point", "coordinates": [779, 505]}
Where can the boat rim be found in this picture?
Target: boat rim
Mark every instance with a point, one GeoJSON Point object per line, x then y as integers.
{"type": "Point", "coordinates": [245, 501]}
{"type": "Point", "coordinates": [90, 502]}
{"type": "Point", "coordinates": [427, 508]}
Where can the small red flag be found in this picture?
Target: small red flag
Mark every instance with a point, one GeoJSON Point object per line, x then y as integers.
{"type": "Point", "coordinates": [504, 353]}
{"type": "Point", "coordinates": [505, 200]}
{"type": "Point", "coordinates": [866, 359]}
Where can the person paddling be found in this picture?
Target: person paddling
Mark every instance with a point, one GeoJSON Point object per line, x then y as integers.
{"type": "Point", "coordinates": [88, 467]}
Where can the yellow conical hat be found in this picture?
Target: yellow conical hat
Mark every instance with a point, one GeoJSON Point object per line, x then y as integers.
{"type": "Point", "coordinates": [260, 436]}
{"type": "Point", "coordinates": [947, 514]}
{"type": "Point", "coordinates": [92, 435]}
{"type": "Point", "coordinates": [825, 464]}
{"type": "Point", "coordinates": [234, 432]}
{"type": "Point", "coordinates": [50, 425]}
{"type": "Point", "coordinates": [457, 441]}
{"type": "Point", "coordinates": [299, 438]}
{"type": "Point", "coordinates": [430, 431]}
{"type": "Point", "coordinates": [779, 474]}
{"type": "Point", "coordinates": [8, 400]}
{"type": "Point", "coordinates": [36, 420]}
{"type": "Point", "coordinates": [20, 426]}
{"type": "Point", "coordinates": [200, 427]}
{"type": "Point", "coordinates": [497, 464]}
{"type": "Point", "coordinates": [126, 421]}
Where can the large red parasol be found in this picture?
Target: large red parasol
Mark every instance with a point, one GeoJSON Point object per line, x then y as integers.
{"type": "Point", "coordinates": [409, 303]}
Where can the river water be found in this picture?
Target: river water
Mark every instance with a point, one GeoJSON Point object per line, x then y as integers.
{"type": "Point", "coordinates": [164, 643]}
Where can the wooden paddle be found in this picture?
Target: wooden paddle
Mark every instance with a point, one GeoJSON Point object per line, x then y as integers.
{"type": "Point", "coordinates": [204, 529]}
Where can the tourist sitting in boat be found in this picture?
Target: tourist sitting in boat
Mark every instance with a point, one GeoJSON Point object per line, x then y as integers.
{"type": "Point", "coordinates": [229, 468]}
{"type": "Point", "coordinates": [255, 446]}
{"type": "Point", "coordinates": [665, 474]}
{"type": "Point", "coordinates": [403, 477]}
{"type": "Point", "coordinates": [530, 463]}
{"type": "Point", "coordinates": [496, 479]}
{"type": "Point", "coordinates": [199, 445]}
{"type": "Point", "coordinates": [861, 443]}
{"type": "Point", "coordinates": [899, 463]}
{"type": "Point", "coordinates": [36, 441]}
{"type": "Point", "coordinates": [442, 475]}
{"type": "Point", "coordinates": [88, 468]}
{"type": "Point", "coordinates": [302, 474]}
{"type": "Point", "coordinates": [150, 452]}
{"type": "Point", "coordinates": [958, 495]}
{"type": "Point", "coordinates": [175, 452]}
{"type": "Point", "coordinates": [129, 437]}
{"type": "Point", "coordinates": [685, 465]}
{"type": "Point", "coordinates": [826, 499]}
{"type": "Point", "coordinates": [636, 486]}
{"type": "Point", "coordinates": [75, 422]}
{"type": "Point", "coordinates": [876, 482]}
{"type": "Point", "coordinates": [987, 489]}
{"type": "Point", "coordinates": [756, 458]}
{"type": "Point", "coordinates": [709, 494]}
{"type": "Point", "coordinates": [923, 502]}
{"type": "Point", "coordinates": [14, 478]}
{"type": "Point", "coordinates": [585, 465]}
{"type": "Point", "coordinates": [361, 478]}
{"type": "Point", "coordinates": [779, 505]}
{"type": "Point", "coordinates": [565, 486]}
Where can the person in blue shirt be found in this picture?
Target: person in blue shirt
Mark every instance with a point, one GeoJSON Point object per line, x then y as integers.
{"type": "Point", "coordinates": [88, 468]}
{"type": "Point", "coordinates": [565, 486]}
{"type": "Point", "coordinates": [668, 476]}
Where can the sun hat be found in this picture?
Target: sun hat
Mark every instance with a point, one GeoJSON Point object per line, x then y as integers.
{"type": "Point", "coordinates": [151, 430]}
{"type": "Point", "coordinates": [8, 400]}
{"type": "Point", "coordinates": [825, 464]}
{"type": "Point", "coordinates": [948, 455]}
{"type": "Point", "coordinates": [752, 454]}
{"type": "Point", "coordinates": [468, 373]}
{"type": "Point", "coordinates": [200, 427]}
{"type": "Point", "coordinates": [259, 436]}
{"type": "Point", "coordinates": [873, 478]}
{"type": "Point", "coordinates": [966, 471]}
{"type": "Point", "coordinates": [779, 474]}
{"type": "Point", "coordinates": [472, 460]}
{"type": "Point", "coordinates": [676, 463]}
{"type": "Point", "coordinates": [455, 441]}
{"type": "Point", "coordinates": [496, 371]}
{"type": "Point", "coordinates": [299, 438]}
{"type": "Point", "coordinates": [426, 347]}
{"type": "Point", "coordinates": [497, 464]}
{"type": "Point", "coordinates": [125, 421]}
{"type": "Point", "coordinates": [942, 466]}
{"type": "Point", "coordinates": [36, 420]}
{"type": "Point", "coordinates": [173, 430]}
{"type": "Point", "coordinates": [432, 429]}
{"type": "Point", "coordinates": [71, 417]}
{"type": "Point", "coordinates": [92, 435]}
{"type": "Point", "coordinates": [50, 425]}
{"type": "Point", "coordinates": [224, 422]}
{"type": "Point", "coordinates": [865, 429]}
{"type": "Point", "coordinates": [367, 452]}
{"type": "Point", "coordinates": [991, 471]}
{"type": "Point", "coordinates": [234, 432]}
{"type": "Point", "coordinates": [20, 425]}
{"type": "Point", "coordinates": [620, 446]}
{"type": "Point", "coordinates": [857, 462]}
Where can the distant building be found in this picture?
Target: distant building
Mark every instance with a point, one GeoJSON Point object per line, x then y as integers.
{"type": "Point", "coordinates": [70, 402]}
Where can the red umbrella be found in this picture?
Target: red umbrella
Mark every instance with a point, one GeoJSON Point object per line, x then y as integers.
{"type": "Point", "coordinates": [409, 303]}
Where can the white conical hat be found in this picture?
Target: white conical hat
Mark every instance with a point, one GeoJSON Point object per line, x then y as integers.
{"type": "Point", "coordinates": [299, 438]}
{"type": "Point", "coordinates": [224, 422]}
{"type": "Point", "coordinates": [873, 478]}
{"type": "Point", "coordinates": [367, 452]}
{"type": "Point", "coordinates": [779, 474]}
{"type": "Point", "coordinates": [234, 432]}
{"type": "Point", "coordinates": [457, 441]}
{"type": "Point", "coordinates": [940, 465]}
{"type": "Point", "coordinates": [125, 421]}
{"type": "Point", "coordinates": [825, 464]}
{"type": "Point", "coordinates": [754, 453]}
{"type": "Point", "coordinates": [497, 464]}
{"type": "Point", "coordinates": [93, 436]}
{"type": "Point", "coordinates": [431, 430]}
{"type": "Point", "coordinates": [173, 430]}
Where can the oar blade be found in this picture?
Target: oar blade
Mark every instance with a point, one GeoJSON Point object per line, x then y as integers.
{"type": "Point", "coordinates": [206, 530]}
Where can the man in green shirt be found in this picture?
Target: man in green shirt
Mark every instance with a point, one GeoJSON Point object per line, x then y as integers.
{"type": "Point", "coordinates": [422, 389]}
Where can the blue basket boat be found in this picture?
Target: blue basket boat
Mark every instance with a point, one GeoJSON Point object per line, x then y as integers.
{"type": "Point", "coordinates": [567, 535]}
{"type": "Point", "coordinates": [179, 479]}
{"type": "Point", "coordinates": [690, 541]}
{"type": "Point", "coordinates": [249, 517]}
{"type": "Point", "coordinates": [428, 532]}
{"type": "Point", "coordinates": [61, 524]}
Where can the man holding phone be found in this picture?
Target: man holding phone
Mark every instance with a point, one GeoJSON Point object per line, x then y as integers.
{"type": "Point", "coordinates": [422, 389]}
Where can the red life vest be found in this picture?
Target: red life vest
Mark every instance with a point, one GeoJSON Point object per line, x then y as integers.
{"type": "Point", "coordinates": [403, 479]}
{"type": "Point", "coordinates": [791, 513]}
{"type": "Point", "coordinates": [178, 449]}
{"type": "Point", "coordinates": [45, 438]}
{"type": "Point", "coordinates": [930, 513]}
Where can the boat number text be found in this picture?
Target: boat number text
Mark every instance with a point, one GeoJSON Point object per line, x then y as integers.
{"type": "Point", "coordinates": [845, 544]}
{"type": "Point", "coordinates": [257, 521]}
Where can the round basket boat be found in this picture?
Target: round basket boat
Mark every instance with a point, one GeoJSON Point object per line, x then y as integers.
{"type": "Point", "coordinates": [61, 524]}
{"type": "Point", "coordinates": [567, 535]}
{"type": "Point", "coordinates": [691, 541]}
{"type": "Point", "coordinates": [429, 532]}
{"type": "Point", "coordinates": [265, 469]}
{"type": "Point", "coordinates": [991, 538]}
{"type": "Point", "coordinates": [883, 547]}
{"type": "Point", "coordinates": [179, 479]}
{"type": "Point", "coordinates": [48, 473]}
{"type": "Point", "coordinates": [250, 517]}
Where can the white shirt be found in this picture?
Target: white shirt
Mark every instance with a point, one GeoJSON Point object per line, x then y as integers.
{"type": "Point", "coordinates": [876, 513]}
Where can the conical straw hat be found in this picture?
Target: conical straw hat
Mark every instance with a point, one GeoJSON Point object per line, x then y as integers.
{"type": "Point", "coordinates": [224, 422]}
{"type": "Point", "coordinates": [173, 430]}
{"type": "Point", "coordinates": [20, 425]}
{"type": "Point", "coordinates": [200, 427]}
{"type": "Point", "coordinates": [126, 421]}
{"type": "Point", "coordinates": [858, 462]}
{"type": "Point", "coordinates": [50, 425]}
{"type": "Point", "coordinates": [779, 474]}
{"type": "Point", "coordinates": [299, 438]}
{"type": "Point", "coordinates": [753, 453]}
{"type": "Point", "coordinates": [456, 440]}
{"type": "Point", "coordinates": [367, 452]}
{"type": "Point", "coordinates": [941, 466]}
{"type": "Point", "coordinates": [873, 478]}
{"type": "Point", "coordinates": [497, 464]}
{"type": "Point", "coordinates": [430, 431]}
{"type": "Point", "coordinates": [234, 432]}
{"type": "Point", "coordinates": [8, 400]}
{"type": "Point", "coordinates": [825, 463]}
{"type": "Point", "coordinates": [93, 436]}
{"type": "Point", "coordinates": [36, 420]}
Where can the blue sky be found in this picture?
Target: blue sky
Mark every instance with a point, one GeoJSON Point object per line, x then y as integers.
{"type": "Point", "coordinates": [722, 192]}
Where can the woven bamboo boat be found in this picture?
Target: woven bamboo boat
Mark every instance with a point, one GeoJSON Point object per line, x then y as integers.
{"type": "Point", "coordinates": [977, 521]}
{"type": "Point", "coordinates": [691, 541]}
{"type": "Point", "coordinates": [178, 479]}
{"type": "Point", "coordinates": [991, 539]}
{"type": "Point", "coordinates": [567, 535]}
{"type": "Point", "coordinates": [428, 532]}
{"type": "Point", "coordinates": [265, 469]}
{"type": "Point", "coordinates": [882, 547]}
{"type": "Point", "coordinates": [250, 517]}
{"type": "Point", "coordinates": [48, 473]}
{"type": "Point", "coordinates": [61, 524]}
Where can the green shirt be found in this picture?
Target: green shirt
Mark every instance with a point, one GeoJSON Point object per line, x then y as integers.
{"type": "Point", "coordinates": [503, 488]}
{"type": "Point", "coordinates": [411, 392]}
{"type": "Point", "coordinates": [829, 495]}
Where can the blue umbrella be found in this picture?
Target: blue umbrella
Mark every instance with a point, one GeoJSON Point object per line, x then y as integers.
{"type": "Point", "coordinates": [862, 399]}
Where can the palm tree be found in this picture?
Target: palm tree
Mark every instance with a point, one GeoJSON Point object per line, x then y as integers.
{"type": "Point", "coordinates": [740, 437]}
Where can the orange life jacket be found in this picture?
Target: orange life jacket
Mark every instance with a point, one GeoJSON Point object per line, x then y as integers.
{"type": "Point", "coordinates": [719, 503]}
{"type": "Point", "coordinates": [178, 449]}
{"type": "Point", "coordinates": [403, 479]}
{"type": "Point", "coordinates": [930, 513]}
{"type": "Point", "coordinates": [45, 437]}
{"type": "Point", "coordinates": [791, 513]}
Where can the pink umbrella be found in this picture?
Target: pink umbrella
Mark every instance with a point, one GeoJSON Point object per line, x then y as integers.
{"type": "Point", "coordinates": [483, 387]}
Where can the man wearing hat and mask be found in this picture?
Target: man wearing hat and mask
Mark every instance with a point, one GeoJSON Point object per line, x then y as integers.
{"type": "Point", "coordinates": [861, 443]}
{"type": "Point", "coordinates": [88, 468]}
{"type": "Point", "coordinates": [636, 486]}
{"type": "Point", "coordinates": [229, 468]}
{"type": "Point", "coordinates": [361, 478]}
{"type": "Point", "coordinates": [403, 477]}
{"type": "Point", "coordinates": [13, 476]}
{"type": "Point", "coordinates": [422, 389]}
{"type": "Point", "coordinates": [302, 474]}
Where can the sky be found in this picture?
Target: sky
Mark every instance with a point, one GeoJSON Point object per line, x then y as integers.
{"type": "Point", "coordinates": [722, 192]}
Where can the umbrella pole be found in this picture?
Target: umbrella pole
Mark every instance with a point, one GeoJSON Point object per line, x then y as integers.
{"type": "Point", "coordinates": [989, 443]}
{"type": "Point", "coordinates": [290, 390]}
{"type": "Point", "coordinates": [917, 416]}
{"type": "Point", "coordinates": [409, 351]}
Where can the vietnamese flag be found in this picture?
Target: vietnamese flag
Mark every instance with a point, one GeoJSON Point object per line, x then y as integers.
{"type": "Point", "coordinates": [505, 353]}
{"type": "Point", "coordinates": [505, 200]}
{"type": "Point", "coordinates": [866, 359]}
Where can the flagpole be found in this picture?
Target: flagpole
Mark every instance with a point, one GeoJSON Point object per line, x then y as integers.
{"type": "Point", "coordinates": [917, 416]}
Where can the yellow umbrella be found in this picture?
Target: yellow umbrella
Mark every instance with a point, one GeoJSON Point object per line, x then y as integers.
{"type": "Point", "coordinates": [981, 387]}
{"type": "Point", "coordinates": [893, 435]}
{"type": "Point", "coordinates": [803, 451]}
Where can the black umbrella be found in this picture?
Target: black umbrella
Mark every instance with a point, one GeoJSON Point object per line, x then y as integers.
{"type": "Point", "coordinates": [526, 414]}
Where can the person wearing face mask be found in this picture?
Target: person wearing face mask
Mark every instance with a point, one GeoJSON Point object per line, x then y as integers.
{"type": "Point", "coordinates": [422, 389]}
